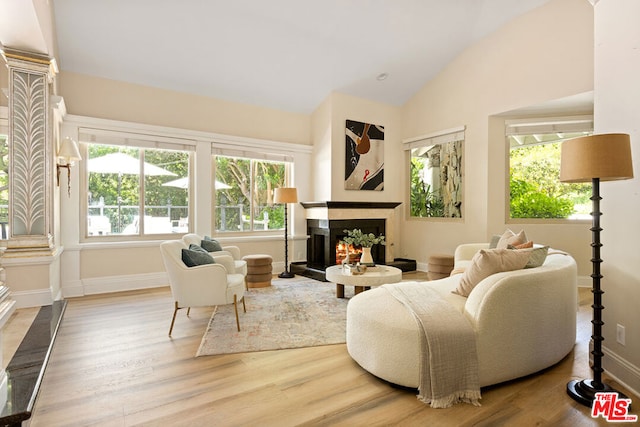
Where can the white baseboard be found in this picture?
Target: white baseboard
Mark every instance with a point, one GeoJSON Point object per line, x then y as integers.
{"type": "Point", "coordinates": [621, 370]}
{"type": "Point", "coordinates": [277, 267]}
{"type": "Point", "coordinates": [36, 298]}
{"type": "Point", "coordinates": [585, 282]}
{"type": "Point", "coordinates": [108, 284]}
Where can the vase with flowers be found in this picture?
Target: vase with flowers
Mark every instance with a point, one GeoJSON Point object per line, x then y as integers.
{"type": "Point", "coordinates": [356, 237]}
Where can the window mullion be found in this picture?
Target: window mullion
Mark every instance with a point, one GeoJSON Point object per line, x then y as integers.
{"type": "Point", "coordinates": [141, 201]}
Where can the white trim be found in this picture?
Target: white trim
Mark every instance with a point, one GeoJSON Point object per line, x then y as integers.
{"type": "Point", "coordinates": [544, 125]}
{"type": "Point", "coordinates": [134, 139]}
{"type": "Point", "coordinates": [34, 298]}
{"type": "Point", "coordinates": [439, 137]}
{"type": "Point", "coordinates": [618, 367]}
{"type": "Point", "coordinates": [108, 284]}
{"type": "Point", "coordinates": [182, 134]}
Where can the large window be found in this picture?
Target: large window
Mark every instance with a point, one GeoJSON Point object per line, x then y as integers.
{"type": "Point", "coordinates": [136, 190]}
{"type": "Point", "coordinates": [436, 185]}
{"type": "Point", "coordinates": [244, 189]}
{"type": "Point", "coordinates": [535, 190]}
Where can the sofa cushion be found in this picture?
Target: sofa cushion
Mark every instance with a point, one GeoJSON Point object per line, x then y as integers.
{"type": "Point", "coordinates": [487, 262]}
{"type": "Point", "coordinates": [210, 244]}
{"type": "Point", "coordinates": [196, 255]}
{"type": "Point", "coordinates": [511, 238]}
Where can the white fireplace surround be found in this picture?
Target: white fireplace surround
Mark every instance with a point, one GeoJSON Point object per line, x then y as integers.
{"type": "Point", "coordinates": [335, 210]}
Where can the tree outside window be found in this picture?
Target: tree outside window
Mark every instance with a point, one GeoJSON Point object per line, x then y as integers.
{"type": "Point", "coordinates": [244, 195]}
{"type": "Point", "coordinates": [535, 190]}
{"type": "Point", "coordinates": [436, 181]}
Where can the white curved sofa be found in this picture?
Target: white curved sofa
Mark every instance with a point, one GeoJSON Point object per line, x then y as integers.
{"type": "Point", "coordinates": [524, 321]}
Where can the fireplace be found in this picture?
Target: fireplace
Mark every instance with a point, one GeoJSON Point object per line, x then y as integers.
{"type": "Point", "coordinates": [325, 235]}
{"type": "Point", "coordinates": [326, 222]}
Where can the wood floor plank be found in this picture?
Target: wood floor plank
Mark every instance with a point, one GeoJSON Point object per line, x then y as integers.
{"type": "Point", "coordinates": [114, 365]}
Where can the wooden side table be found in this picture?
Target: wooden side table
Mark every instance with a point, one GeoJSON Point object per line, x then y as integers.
{"type": "Point", "coordinates": [259, 270]}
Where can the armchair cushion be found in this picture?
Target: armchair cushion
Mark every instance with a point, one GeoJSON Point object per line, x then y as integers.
{"type": "Point", "coordinates": [195, 255]}
{"type": "Point", "coordinates": [211, 245]}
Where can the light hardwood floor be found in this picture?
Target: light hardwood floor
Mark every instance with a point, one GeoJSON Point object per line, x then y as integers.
{"type": "Point", "coordinates": [113, 365]}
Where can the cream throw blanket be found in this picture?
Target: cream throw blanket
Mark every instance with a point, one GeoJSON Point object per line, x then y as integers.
{"type": "Point", "coordinates": [448, 357]}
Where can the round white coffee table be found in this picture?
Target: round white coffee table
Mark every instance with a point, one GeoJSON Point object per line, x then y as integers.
{"type": "Point", "coordinates": [379, 275]}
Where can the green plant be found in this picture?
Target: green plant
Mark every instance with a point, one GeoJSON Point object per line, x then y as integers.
{"type": "Point", "coordinates": [358, 238]}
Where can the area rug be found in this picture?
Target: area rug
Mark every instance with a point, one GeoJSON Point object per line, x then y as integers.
{"type": "Point", "coordinates": [291, 313]}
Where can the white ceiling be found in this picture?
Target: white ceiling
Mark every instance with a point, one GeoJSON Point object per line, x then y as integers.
{"type": "Point", "coordinates": [283, 54]}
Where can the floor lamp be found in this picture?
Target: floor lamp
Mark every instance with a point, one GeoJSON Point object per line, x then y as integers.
{"type": "Point", "coordinates": [595, 158]}
{"type": "Point", "coordinates": [286, 195]}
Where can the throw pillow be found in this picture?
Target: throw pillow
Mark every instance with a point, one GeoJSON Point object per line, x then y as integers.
{"type": "Point", "coordinates": [211, 245]}
{"type": "Point", "coordinates": [494, 241]}
{"type": "Point", "coordinates": [537, 256]}
{"type": "Point", "coordinates": [510, 238]}
{"type": "Point", "coordinates": [487, 262]}
{"type": "Point", "coordinates": [526, 245]}
{"type": "Point", "coordinates": [196, 255]}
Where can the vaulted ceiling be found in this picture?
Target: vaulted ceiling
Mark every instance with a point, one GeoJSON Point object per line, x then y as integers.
{"type": "Point", "coordinates": [283, 54]}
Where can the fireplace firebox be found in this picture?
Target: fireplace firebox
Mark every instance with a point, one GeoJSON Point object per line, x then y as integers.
{"type": "Point", "coordinates": [325, 235]}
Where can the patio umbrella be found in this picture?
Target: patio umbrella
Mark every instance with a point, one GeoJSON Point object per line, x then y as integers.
{"type": "Point", "coordinates": [184, 183]}
{"type": "Point", "coordinates": [121, 164]}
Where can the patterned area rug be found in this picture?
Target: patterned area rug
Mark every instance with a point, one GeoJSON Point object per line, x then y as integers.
{"type": "Point", "coordinates": [291, 313]}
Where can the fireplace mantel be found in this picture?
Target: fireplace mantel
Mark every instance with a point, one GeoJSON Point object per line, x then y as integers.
{"type": "Point", "coordinates": [350, 205]}
{"type": "Point", "coordinates": [349, 210]}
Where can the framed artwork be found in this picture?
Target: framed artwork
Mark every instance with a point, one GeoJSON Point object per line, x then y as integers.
{"type": "Point", "coordinates": [364, 156]}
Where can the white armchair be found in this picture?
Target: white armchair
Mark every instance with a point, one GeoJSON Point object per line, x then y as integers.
{"type": "Point", "coordinates": [202, 285]}
{"type": "Point", "coordinates": [233, 251]}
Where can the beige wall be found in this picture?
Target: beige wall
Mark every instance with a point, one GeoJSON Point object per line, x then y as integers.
{"type": "Point", "coordinates": [321, 136]}
{"type": "Point", "coordinates": [109, 99]}
{"type": "Point", "coordinates": [328, 134]}
{"type": "Point", "coordinates": [543, 55]}
{"type": "Point", "coordinates": [617, 108]}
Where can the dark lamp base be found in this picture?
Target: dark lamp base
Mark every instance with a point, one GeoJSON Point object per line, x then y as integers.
{"type": "Point", "coordinates": [584, 391]}
{"type": "Point", "coordinates": [286, 275]}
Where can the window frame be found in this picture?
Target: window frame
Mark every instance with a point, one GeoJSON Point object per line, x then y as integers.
{"type": "Point", "coordinates": [141, 141]}
{"type": "Point", "coordinates": [540, 125]}
{"type": "Point", "coordinates": [253, 157]}
{"type": "Point", "coordinates": [437, 138]}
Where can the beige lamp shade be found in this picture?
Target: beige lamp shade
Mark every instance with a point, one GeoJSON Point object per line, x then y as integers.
{"type": "Point", "coordinates": [285, 195]}
{"type": "Point", "coordinates": [69, 151]}
{"type": "Point", "coordinates": [605, 156]}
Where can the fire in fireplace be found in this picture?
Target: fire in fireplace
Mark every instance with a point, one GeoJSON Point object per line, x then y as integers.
{"type": "Point", "coordinates": [324, 248]}
{"type": "Point", "coordinates": [342, 249]}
